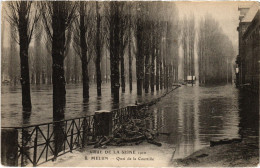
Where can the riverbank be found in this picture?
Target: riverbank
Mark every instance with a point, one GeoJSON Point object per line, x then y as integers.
{"type": "Point", "coordinates": [240, 154]}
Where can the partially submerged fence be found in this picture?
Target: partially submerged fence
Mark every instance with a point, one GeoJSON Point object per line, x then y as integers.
{"type": "Point", "coordinates": [37, 144]}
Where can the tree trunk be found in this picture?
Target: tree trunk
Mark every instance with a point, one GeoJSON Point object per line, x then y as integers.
{"type": "Point", "coordinates": [185, 61]}
{"type": "Point", "coordinates": [114, 53]}
{"type": "Point", "coordinates": [98, 52]}
{"type": "Point", "coordinates": [139, 59]}
{"type": "Point", "coordinates": [152, 63]}
{"type": "Point", "coordinates": [147, 57]}
{"type": "Point", "coordinates": [85, 79]}
{"type": "Point", "coordinates": [38, 60]}
{"type": "Point", "coordinates": [49, 79]}
{"type": "Point", "coordinates": [161, 74]}
{"type": "Point", "coordinates": [122, 71]}
{"type": "Point", "coordinates": [24, 46]}
{"type": "Point", "coordinates": [49, 70]}
{"type": "Point", "coordinates": [15, 80]}
{"type": "Point", "coordinates": [75, 70]}
{"type": "Point", "coordinates": [157, 67]}
{"type": "Point", "coordinates": [58, 43]}
{"type": "Point", "coordinates": [83, 47]}
{"type": "Point", "coordinates": [165, 75]}
{"type": "Point", "coordinates": [38, 78]}
{"type": "Point", "coordinates": [68, 65]}
{"type": "Point", "coordinates": [32, 78]}
{"type": "Point", "coordinates": [43, 77]}
{"type": "Point", "coordinates": [130, 68]}
{"type": "Point", "coordinates": [129, 54]}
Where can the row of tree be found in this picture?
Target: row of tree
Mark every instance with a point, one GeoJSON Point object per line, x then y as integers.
{"type": "Point", "coordinates": [145, 31]}
{"type": "Point", "coordinates": [188, 45]}
{"type": "Point", "coordinates": [215, 51]}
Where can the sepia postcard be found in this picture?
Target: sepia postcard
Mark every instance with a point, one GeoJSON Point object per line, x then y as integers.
{"type": "Point", "coordinates": [130, 83]}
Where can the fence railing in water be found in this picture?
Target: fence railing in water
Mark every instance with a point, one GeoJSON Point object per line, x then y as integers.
{"type": "Point", "coordinates": [37, 144]}
{"type": "Point", "coordinates": [40, 143]}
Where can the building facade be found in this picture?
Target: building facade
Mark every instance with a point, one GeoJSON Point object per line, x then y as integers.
{"type": "Point", "coordinates": [248, 60]}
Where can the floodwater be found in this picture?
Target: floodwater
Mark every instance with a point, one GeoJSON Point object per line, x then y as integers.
{"type": "Point", "coordinates": [192, 116]}
{"type": "Point", "coordinates": [189, 117]}
{"type": "Point", "coordinates": [41, 97]}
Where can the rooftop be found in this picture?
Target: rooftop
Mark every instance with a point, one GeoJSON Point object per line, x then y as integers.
{"type": "Point", "coordinates": [251, 13]}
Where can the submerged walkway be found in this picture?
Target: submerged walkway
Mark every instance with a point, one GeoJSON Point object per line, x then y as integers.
{"type": "Point", "coordinates": [144, 154]}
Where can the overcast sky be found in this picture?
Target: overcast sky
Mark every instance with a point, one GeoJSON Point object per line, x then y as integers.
{"type": "Point", "coordinates": [226, 13]}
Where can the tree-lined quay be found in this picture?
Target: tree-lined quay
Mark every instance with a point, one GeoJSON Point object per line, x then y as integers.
{"type": "Point", "coordinates": [71, 59]}
{"type": "Point", "coordinates": [90, 31]}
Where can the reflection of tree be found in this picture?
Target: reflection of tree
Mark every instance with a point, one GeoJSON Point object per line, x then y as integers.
{"type": "Point", "coordinates": [99, 101]}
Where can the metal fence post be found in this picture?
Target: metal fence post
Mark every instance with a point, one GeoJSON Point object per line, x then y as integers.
{"type": "Point", "coordinates": [35, 148]}
{"type": "Point", "coordinates": [9, 147]}
{"type": "Point", "coordinates": [71, 138]}
{"type": "Point", "coordinates": [133, 111]}
{"type": "Point", "coordinates": [103, 122]}
{"type": "Point", "coordinates": [84, 132]}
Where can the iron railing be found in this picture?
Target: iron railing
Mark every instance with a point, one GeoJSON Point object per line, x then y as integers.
{"type": "Point", "coordinates": [120, 116]}
{"type": "Point", "coordinates": [40, 143]}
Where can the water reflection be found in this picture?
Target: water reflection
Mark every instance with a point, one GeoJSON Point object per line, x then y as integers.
{"type": "Point", "coordinates": [195, 115]}
{"type": "Point", "coordinates": [99, 102]}
{"type": "Point", "coordinates": [42, 105]}
{"type": "Point", "coordinates": [85, 106]}
{"type": "Point", "coordinates": [191, 116]}
{"type": "Point", "coordinates": [249, 116]}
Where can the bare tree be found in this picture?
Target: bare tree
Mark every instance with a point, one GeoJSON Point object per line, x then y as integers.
{"type": "Point", "coordinates": [13, 59]}
{"type": "Point", "coordinates": [98, 49]}
{"type": "Point", "coordinates": [130, 27]}
{"type": "Point", "coordinates": [112, 25]}
{"type": "Point", "coordinates": [23, 15]}
{"type": "Point", "coordinates": [215, 51]}
{"type": "Point", "coordinates": [184, 47]}
{"type": "Point", "coordinates": [38, 58]}
{"type": "Point", "coordinates": [139, 31]}
{"type": "Point", "coordinates": [83, 40]}
{"type": "Point", "coordinates": [123, 24]}
{"type": "Point", "coordinates": [58, 17]}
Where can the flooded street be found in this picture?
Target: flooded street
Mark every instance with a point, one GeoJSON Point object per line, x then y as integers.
{"type": "Point", "coordinates": [192, 116]}
{"type": "Point", "coordinates": [189, 117]}
{"type": "Point", "coordinates": [42, 107]}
